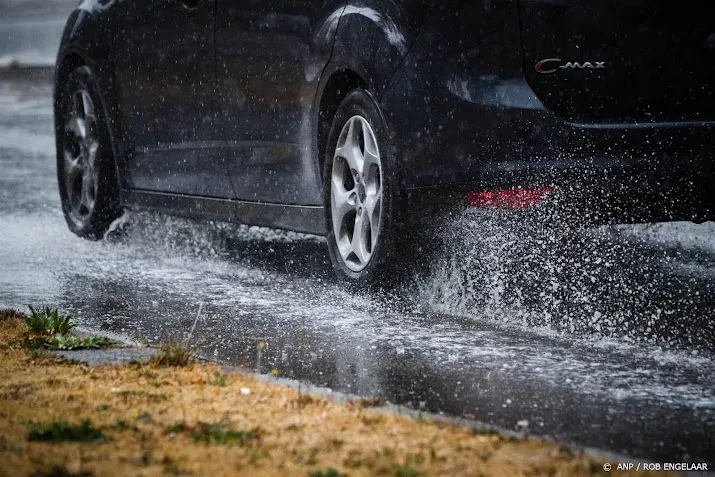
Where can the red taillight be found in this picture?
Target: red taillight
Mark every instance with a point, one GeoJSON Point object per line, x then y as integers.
{"type": "Point", "coordinates": [507, 198]}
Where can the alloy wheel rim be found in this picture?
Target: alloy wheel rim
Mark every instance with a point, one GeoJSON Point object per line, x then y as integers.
{"type": "Point", "coordinates": [81, 146]}
{"type": "Point", "coordinates": [356, 193]}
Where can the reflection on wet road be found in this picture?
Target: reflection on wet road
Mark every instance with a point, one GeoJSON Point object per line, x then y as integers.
{"type": "Point", "coordinates": [601, 337]}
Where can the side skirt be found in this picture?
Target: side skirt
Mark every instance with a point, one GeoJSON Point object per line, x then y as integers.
{"type": "Point", "coordinates": [299, 218]}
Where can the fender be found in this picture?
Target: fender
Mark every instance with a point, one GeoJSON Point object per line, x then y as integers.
{"type": "Point", "coordinates": [373, 38]}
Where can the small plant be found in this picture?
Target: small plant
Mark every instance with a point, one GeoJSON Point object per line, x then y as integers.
{"type": "Point", "coordinates": [50, 330]}
{"type": "Point", "coordinates": [46, 321]}
{"type": "Point", "coordinates": [176, 428]}
{"type": "Point", "coordinates": [173, 355]}
{"type": "Point", "coordinates": [329, 472]}
{"type": "Point", "coordinates": [219, 379]}
{"type": "Point", "coordinates": [72, 342]}
{"type": "Point", "coordinates": [61, 431]}
{"type": "Point", "coordinates": [215, 434]}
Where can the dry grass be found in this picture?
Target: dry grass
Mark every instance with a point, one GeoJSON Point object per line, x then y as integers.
{"type": "Point", "coordinates": [143, 420]}
{"type": "Point", "coordinates": [10, 313]}
{"type": "Point", "coordinates": [173, 355]}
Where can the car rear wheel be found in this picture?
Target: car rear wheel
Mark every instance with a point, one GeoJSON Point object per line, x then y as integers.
{"type": "Point", "coordinates": [362, 198]}
{"type": "Point", "coordinates": [85, 162]}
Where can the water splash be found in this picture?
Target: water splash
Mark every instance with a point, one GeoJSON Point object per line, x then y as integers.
{"type": "Point", "coordinates": [530, 270]}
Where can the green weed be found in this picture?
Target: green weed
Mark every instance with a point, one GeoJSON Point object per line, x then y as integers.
{"type": "Point", "coordinates": [215, 434]}
{"type": "Point", "coordinates": [61, 431]}
{"type": "Point", "coordinates": [46, 321]}
{"type": "Point", "coordinates": [50, 330]}
{"type": "Point", "coordinates": [72, 342]}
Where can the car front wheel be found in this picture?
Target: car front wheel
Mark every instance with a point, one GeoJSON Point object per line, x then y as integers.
{"type": "Point", "coordinates": [85, 165]}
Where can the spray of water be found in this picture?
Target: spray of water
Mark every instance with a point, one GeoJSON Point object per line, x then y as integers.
{"type": "Point", "coordinates": [528, 269]}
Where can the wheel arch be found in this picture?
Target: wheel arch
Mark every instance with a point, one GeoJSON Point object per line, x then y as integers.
{"type": "Point", "coordinates": [336, 86]}
{"type": "Point", "coordinates": [86, 41]}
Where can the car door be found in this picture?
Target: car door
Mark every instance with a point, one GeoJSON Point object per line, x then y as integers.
{"type": "Point", "coordinates": [165, 65]}
{"type": "Point", "coordinates": [634, 60]}
{"type": "Point", "coordinates": [270, 54]}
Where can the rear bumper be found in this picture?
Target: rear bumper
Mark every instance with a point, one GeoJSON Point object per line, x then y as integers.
{"type": "Point", "coordinates": [464, 118]}
{"type": "Point", "coordinates": [591, 193]}
{"type": "Point", "coordinates": [498, 131]}
{"type": "Point", "coordinates": [486, 134]}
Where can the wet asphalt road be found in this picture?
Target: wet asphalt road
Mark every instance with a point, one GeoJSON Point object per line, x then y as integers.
{"type": "Point", "coordinates": [604, 337]}
{"type": "Point", "coordinates": [30, 30]}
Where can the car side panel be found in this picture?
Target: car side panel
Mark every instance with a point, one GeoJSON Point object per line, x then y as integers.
{"type": "Point", "coordinates": [270, 56]}
{"type": "Point", "coordinates": [164, 58]}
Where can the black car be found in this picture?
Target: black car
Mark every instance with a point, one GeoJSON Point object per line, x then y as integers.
{"type": "Point", "coordinates": [348, 119]}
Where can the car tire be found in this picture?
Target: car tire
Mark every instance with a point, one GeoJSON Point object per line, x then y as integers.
{"type": "Point", "coordinates": [88, 186]}
{"type": "Point", "coordinates": [362, 198]}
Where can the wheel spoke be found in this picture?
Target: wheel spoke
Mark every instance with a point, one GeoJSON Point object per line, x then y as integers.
{"type": "Point", "coordinates": [73, 170]}
{"type": "Point", "coordinates": [77, 126]}
{"type": "Point", "coordinates": [372, 181]}
{"type": "Point", "coordinates": [349, 148]}
{"type": "Point", "coordinates": [87, 106]}
{"type": "Point", "coordinates": [351, 156]}
{"type": "Point", "coordinates": [370, 155]}
{"type": "Point", "coordinates": [370, 161]}
{"type": "Point", "coordinates": [92, 146]}
{"type": "Point", "coordinates": [87, 196]}
{"type": "Point", "coordinates": [372, 209]}
{"type": "Point", "coordinates": [357, 244]}
{"type": "Point", "coordinates": [342, 203]}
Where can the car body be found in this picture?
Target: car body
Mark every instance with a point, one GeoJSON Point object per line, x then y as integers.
{"type": "Point", "coordinates": [222, 108]}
